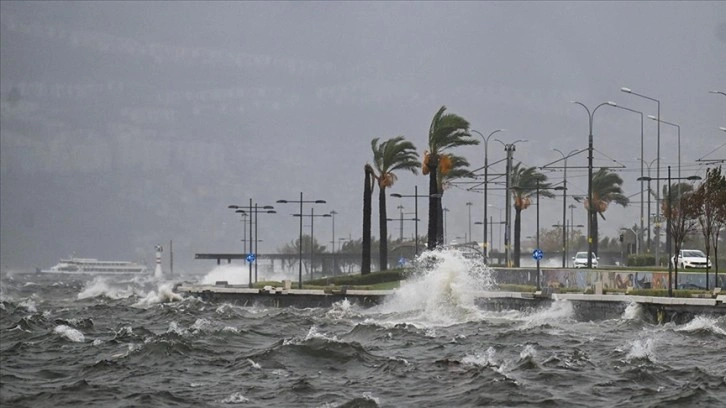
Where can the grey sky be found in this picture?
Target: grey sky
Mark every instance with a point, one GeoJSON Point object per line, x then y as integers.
{"type": "Point", "coordinates": [126, 124]}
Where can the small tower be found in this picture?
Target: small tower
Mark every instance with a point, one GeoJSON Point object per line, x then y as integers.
{"type": "Point", "coordinates": [157, 272]}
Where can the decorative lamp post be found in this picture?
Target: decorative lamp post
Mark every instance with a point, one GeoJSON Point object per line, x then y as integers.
{"type": "Point", "coordinates": [590, 149]}
{"type": "Point", "coordinates": [301, 202]}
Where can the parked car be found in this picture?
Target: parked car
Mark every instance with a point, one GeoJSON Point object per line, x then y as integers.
{"type": "Point", "coordinates": [691, 259]}
{"type": "Point", "coordinates": [580, 260]}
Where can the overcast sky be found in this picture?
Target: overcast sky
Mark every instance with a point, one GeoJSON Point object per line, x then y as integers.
{"type": "Point", "coordinates": [129, 124]}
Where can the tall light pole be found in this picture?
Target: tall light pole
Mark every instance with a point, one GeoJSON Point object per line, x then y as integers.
{"type": "Point", "coordinates": [590, 116]}
{"type": "Point", "coordinates": [657, 166]}
{"type": "Point", "coordinates": [415, 199]}
{"type": "Point", "coordinates": [649, 194]}
{"type": "Point", "coordinates": [469, 204]}
{"type": "Point", "coordinates": [486, 182]}
{"type": "Point", "coordinates": [564, 204]}
{"type": "Point", "coordinates": [641, 155]}
{"type": "Point", "coordinates": [300, 201]}
{"type": "Point", "coordinates": [669, 241]}
{"type": "Point", "coordinates": [332, 214]}
{"type": "Point", "coordinates": [312, 216]}
{"type": "Point", "coordinates": [250, 211]}
{"type": "Point", "coordinates": [509, 149]}
{"type": "Point", "coordinates": [679, 139]}
{"type": "Point", "coordinates": [445, 210]}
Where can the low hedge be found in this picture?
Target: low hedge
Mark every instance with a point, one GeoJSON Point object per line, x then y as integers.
{"type": "Point", "coordinates": [372, 278]}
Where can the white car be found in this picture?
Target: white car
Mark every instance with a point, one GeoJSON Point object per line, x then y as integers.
{"type": "Point", "coordinates": [691, 259]}
{"type": "Point", "coordinates": [580, 260]}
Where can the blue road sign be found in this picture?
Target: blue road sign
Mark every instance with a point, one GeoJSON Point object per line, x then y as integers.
{"type": "Point", "coordinates": [537, 254]}
{"type": "Point", "coordinates": [251, 257]}
{"type": "Point", "coordinates": [402, 261]}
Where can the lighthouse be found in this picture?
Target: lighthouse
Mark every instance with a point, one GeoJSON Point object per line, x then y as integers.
{"type": "Point", "coordinates": [157, 272]}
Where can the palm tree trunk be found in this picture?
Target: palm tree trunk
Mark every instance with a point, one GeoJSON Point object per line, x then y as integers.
{"type": "Point", "coordinates": [594, 233]}
{"type": "Point", "coordinates": [434, 204]}
{"type": "Point", "coordinates": [365, 267]}
{"type": "Point", "coordinates": [383, 228]}
{"type": "Point", "coordinates": [517, 235]}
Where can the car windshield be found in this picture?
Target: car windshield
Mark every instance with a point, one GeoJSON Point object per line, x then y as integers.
{"type": "Point", "coordinates": [693, 254]}
{"type": "Point", "coordinates": [582, 255]}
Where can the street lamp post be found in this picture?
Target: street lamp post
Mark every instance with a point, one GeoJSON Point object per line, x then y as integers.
{"type": "Point", "coordinates": [657, 166]}
{"type": "Point", "coordinates": [649, 194]}
{"type": "Point", "coordinates": [641, 155]}
{"type": "Point", "coordinates": [300, 201]}
{"type": "Point", "coordinates": [415, 198]}
{"type": "Point", "coordinates": [509, 149]}
{"type": "Point", "coordinates": [250, 211]}
{"type": "Point", "coordinates": [445, 211]}
{"type": "Point", "coordinates": [469, 204]}
{"type": "Point", "coordinates": [312, 216]}
{"type": "Point", "coordinates": [564, 205]}
{"type": "Point", "coordinates": [669, 241]}
{"type": "Point", "coordinates": [486, 182]}
{"type": "Point", "coordinates": [332, 214]}
{"type": "Point", "coordinates": [591, 116]}
{"type": "Point", "coordinates": [679, 139]}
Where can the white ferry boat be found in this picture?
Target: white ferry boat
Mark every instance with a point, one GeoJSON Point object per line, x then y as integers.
{"type": "Point", "coordinates": [90, 266]}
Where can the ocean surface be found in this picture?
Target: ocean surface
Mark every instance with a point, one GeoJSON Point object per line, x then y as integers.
{"type": "Point", "coordinates": [102, 342]}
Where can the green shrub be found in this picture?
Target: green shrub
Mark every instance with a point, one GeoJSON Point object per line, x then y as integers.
{"type": "Point", "coordinates": [640, 260]}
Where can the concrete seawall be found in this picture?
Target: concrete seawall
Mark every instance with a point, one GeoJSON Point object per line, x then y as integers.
{"type": "Point", "coordinates": [586, 307]}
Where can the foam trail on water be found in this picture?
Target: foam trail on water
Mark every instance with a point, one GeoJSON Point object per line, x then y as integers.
{"type": "Point", "coordinates": [441, 295]}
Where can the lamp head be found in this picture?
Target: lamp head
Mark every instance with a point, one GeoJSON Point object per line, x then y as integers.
{"type": "Point", "coordinates": [320, 201]}
{"type": "Point", "coordinates": [626, 90]}
{"type": "Point", "coordinates": [396, 195]}
{"type": "Point", "coordinates": [282, 201]}
{"type": "Point", "coordinates": [611, 103]}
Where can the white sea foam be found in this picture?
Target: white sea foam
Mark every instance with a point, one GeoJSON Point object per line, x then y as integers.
{"type": "Point", "coordinates": [702, 323]}
{"type": "Point", "coordinates": [232, 274]}
{"type": "Point", "coordinates": [484, 360]}
{"type": "Point", "coordinates": [236, 398]}
{"type": "Point", "coordinates": [253, 364]}
{"type": "Point", "coordinates": [442, 295]}
{"type": "Point", "coordinates": [633, 312]}
{"type": "Point", "coordinates": [102, 287]}
{"type": "Point", "coordinates": [201, 324]}
{"type": "Point", "coordinates": [69, 333]}
{"type": "Point", "coordinates": [559, 311]}
{"type": "Point", "coordinates": [641, 349]}
{"type": "Point", "coordinates": [29, 305]}
{"type": "Point", "coordinates": [163, 294]}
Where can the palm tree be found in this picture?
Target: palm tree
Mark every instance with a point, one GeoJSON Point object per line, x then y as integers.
{"type": "Point", "coordinates": [605, 190]}
{"type": "Point", "coordinates": [458, 169]}
{"type": "Point", "coordinates": [393, 154]}
{"type": "Point", "coordinates": [525, 182]}
{"type": "Point", "coordinates": [447, 131]}
{"type": "Point", "coordinates": [365, 266]}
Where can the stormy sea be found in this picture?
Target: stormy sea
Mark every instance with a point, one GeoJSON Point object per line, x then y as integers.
{"type": "Point", "coordinates": [104, 342]}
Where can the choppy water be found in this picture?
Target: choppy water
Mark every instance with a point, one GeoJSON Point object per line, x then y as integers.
{"type": "Point", "coordinates": [135, 343]}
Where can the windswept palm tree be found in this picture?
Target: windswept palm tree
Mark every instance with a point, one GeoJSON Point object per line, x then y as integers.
{"type": "Point", "coordinates": [524, 184]}
{"type": "Point", "coordinates": [459, 169]}
{"type": "Point", "coordinates": [389, 156]}
{"type": "Point", "coordinates": [447, 131]}
{"type": "Point", "coordinates": [365, 266]}
{"type": "Point", "coordinates": [605, 190]}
